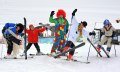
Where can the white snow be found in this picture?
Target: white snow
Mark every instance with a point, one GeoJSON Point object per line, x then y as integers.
{"type": "Point", "coordinates": [37, 11]}
{"type": "Point", "coordinates": [49, 64]}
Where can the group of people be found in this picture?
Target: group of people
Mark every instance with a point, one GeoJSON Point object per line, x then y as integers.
{"type": "Point", "coordinates": [65, 36]}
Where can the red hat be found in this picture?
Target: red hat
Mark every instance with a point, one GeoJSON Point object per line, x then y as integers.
{"type": "Point", "coordinates": [61, 12]}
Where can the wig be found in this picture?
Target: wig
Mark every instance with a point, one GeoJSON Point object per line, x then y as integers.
{"type": "Point", "coordinates": [61, 12]}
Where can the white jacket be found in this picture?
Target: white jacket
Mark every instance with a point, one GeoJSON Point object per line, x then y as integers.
{"type": "Point", "coordinates": [73, 33]}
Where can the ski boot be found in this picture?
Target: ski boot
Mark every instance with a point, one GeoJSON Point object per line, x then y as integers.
{"type": "Point", "coordinates": [14, 57]}
{"type": "Point", "coordinates": [108, 50]}
{"type": "Point", "coordinates": [8, 56]}
{"type": "Point", "coordinates": [70, 57]}
{"type": "Point", "coordinates": [23, 54]}
{"type": "Point", "coordinates": [98, 48]}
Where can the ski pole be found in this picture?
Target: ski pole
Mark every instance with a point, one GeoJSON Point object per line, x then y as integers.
{"type": "Point", "coordinates": [2, 50]}
{"type": "Point", "coordinates": [90, 45]}
{"type": "Point", "coordinates": [115, 51]}
{"type": "Point", "coordinates": [88, 53]}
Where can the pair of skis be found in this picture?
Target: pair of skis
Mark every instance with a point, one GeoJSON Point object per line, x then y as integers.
{"type": "Point", "coordinates": [97, 50]}
{"type": "Point", "coordinates": [80, 45]}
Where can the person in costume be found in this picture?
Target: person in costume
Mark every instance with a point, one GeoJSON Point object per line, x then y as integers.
{"type": "Point", "coordinates": [75, 33]}
{"type": "Point", "coordinates": [61, 29]}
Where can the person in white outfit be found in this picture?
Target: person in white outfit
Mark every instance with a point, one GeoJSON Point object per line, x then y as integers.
{"type": "Point", "coordinates": [76, 31]}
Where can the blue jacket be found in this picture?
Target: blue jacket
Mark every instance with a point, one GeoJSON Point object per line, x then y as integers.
{"type": "Point", "coordinates": [11, 26]}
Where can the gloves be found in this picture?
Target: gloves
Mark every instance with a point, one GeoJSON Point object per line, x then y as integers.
{"type": "Point", "coordinates": [3, 30]}
{"type": "Point", "coordinates": [46, 28]}
{"type": "Point", "coordinates": [52, 13]}
{"type": "Point", "coordinates": [117, 21]}
{"type": "Point", "coordinates": [66, 31]}
{"type": "Point", "coordinates": [73, 13]}
{"type": "Point", "coordinates": [92, 33]}
{"type": "Point", "coordinates": [22, 34]}
{"type": "Point", "coordinates": [115, 33]}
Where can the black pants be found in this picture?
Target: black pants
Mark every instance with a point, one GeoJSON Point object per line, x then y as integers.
{"type": "Point", "coordinates": [9, 40]}
{"type": "Point", "coordinates": [71, 45]}
{"type": "Point", "coordinates": [36, 46]}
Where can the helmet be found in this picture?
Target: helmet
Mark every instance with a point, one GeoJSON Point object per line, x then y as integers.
{"type": "Point", "coordinates": [106, 22]}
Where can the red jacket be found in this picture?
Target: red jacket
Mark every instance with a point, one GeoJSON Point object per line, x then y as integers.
{"type": "Point", "coordinates": [33, 34]}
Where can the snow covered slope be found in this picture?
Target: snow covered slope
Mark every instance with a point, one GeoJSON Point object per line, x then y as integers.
{"type": "Point", "coordinates": [49, 64]}
{"type": "Point", "coordinates": [38, 11]}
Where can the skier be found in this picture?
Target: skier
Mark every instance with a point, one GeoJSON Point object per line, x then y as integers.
{"type": "Point", "coordinates": [10, 32]}
{"type": "Point", "coordinates": [75, 33]}
{"type": "Point", "coordinates": [61, 29]}
{"type": "Point", "coordinates": [33, 38]}
{"type": "Point", "coordinates": [107, 31]}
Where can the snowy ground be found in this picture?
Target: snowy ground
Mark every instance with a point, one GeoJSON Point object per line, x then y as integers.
{"type": "Point", "coordinates": [92, 11]}
{"type": "Point", "coordinates": [49, 64]}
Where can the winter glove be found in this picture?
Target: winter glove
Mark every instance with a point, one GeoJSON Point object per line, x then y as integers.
{"type": "Point", "coordinates": [115, 33]}
{"type": "Point", "coordinates": [73, 13]}
{"type": "Point", "coordinates": [92, 33]}
{"type": "Point", "coordinates": [117, 21]}
{"type": "Point", "coordinates": [66, 31]}
{"type": "Point", "coordinates": [47, 27]}
{"type": "Point", "coordinates": [3, 30]}
{"type": "Point", "coordinates": [52, 13]}
{"type": "Point", "coordinates": [22, 34]}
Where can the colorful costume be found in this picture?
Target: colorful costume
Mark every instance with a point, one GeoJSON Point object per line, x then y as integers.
{"type": "Point", "coordinates": [61, 29]}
